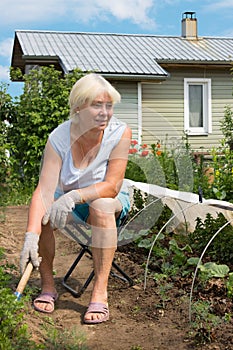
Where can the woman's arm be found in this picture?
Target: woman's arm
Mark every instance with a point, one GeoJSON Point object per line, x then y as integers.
{"type": "Point", "coordinates": [43, 195]}
{"type": "Point", "coordinates": [110, 187]}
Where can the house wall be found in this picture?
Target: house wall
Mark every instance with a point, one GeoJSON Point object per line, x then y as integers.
{"type": "Point", "coordinates": [163, 107]}
{"type": "Point", "coordinates": [127, 110]}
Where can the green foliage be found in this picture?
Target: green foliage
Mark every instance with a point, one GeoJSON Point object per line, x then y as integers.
{"type": "Point", "coordinates": [57, 339]}
{"type": "Point", "coordinates": [13, 331]}
{"type": "Point", "coordinates": [42, 107]}
{"type": "Point", "coordinates": [211, 269]}
{"type": "Point", "coordinates": [6, 114]}
{"type": "Point", "coordinates": [221, 249]}
{"type": "Point", "coordinates": [205, 321]}
{"type": "Point", "coordinates": [221, 164]}
{"type": "Point", "coordinates": [226, 126]}
{"type": "Point", "coordinates": [222, 187]}
{"type": "Point", "coordinates": [229, 285]}
{"type": "Point", "coordinates": [164, 165]}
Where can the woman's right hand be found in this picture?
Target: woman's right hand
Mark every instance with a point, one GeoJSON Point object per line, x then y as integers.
{"type": "Point", "coordinates": [30, 251]}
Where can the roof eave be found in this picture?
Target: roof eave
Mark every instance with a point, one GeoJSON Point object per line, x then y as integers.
{"type": "Point", "coordinates": [137, 77]}
{"type": "Point", "coordinates": [195, 62]}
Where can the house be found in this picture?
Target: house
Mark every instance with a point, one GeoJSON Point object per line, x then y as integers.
{"type": "Point", "coordinates": [170, 85]}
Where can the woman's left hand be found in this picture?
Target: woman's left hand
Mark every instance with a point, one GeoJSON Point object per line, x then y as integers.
{"type": "Point", "coordinates": [57, 215]}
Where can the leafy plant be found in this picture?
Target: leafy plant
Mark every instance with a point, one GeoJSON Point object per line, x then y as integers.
{"type": "Point", "coordinates": [226, 126]}
{"type": "Point", "coordinates": [13, 331]}
{"type": "Point", "coordinates": [229, 285]}
{"type": "Point", "coordinates": [65, 339]}
{"type": "Point", "coordinates": [204, 321]}
{"type": "Point", "coordinates": [211, 269]}
{"type": "Point", "coordinates": [42, 106]}
{"type": "Point", "coordinates": [220, 249]}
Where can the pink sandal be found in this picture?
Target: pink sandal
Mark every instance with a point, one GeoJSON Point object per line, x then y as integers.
{"type": "Point", "coordinates": [47, 298]}
{"type": "Point", "coordinates": [97, 308]}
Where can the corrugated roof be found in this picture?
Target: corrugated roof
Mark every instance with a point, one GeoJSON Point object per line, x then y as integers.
{"type": "Point", "coordinates": [123, 53]}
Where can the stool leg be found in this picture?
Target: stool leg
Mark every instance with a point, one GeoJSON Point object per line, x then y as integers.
{"type": "Point", "coordinates": [124, 277]}
{"type": "Point", "coordinates": [75, 293]}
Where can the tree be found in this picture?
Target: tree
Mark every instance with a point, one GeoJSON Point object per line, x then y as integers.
{"type": "Point", "coordinates": [42, 107]}
{"type": "Point", "coordinates": [7, 111]}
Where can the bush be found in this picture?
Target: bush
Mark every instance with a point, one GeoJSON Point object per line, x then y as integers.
{"type": "Point", "coordinates": [42, 107]}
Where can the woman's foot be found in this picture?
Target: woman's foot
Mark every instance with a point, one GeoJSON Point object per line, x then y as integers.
{"type": "Point", "coordinates": [96, 313]}
{"type": "Point", "coordinates": [45, 302]}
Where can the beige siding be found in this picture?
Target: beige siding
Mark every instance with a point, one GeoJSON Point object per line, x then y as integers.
{"type": "Point", "coordinates": [127, 110]}
{"type": "Point", "coordinates": [163, 107]}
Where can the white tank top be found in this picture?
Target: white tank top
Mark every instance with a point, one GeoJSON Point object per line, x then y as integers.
{"type": "Point", "coordinates": [72, 177]}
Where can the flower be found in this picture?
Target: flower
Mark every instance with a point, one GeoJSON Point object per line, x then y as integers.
{"type": "Point", "coordinates": [159, 153]}
{"type": "Point", "coordinates": [132, 150]}
{"type": "Point", "coordinates": [141, 150]}
{"type": "Point", "coordinates": [144, 153]}
{"type": "Point", "coordinates": [134, 142]}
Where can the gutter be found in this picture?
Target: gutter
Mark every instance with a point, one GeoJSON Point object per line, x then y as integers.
{"type": "Point", "coordinates": [137, 77]}
{"type": "Point", "coordinates": [194, 62]}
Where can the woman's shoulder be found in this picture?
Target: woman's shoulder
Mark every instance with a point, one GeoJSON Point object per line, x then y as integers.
{"type": "Point", "coordinates": [61, 128]}
{"type": "Point", "coordinates": [59, 137]}
{"type": "Point", "coordinates": [116, 124]}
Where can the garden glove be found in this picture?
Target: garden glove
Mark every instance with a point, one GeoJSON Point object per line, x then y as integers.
{"type": "Point", "coordinates": [30, 251]}
{"type": "Point", "coordinates": [57, 215]}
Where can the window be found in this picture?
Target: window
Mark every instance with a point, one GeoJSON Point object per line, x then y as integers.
{"type": "Point", "coordinates": [197, 106]}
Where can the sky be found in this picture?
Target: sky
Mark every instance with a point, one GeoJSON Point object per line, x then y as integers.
{"type": "Point", "coordinates": [158, 17]}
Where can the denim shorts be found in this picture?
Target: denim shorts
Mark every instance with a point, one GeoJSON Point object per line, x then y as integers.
{"type": "Point", "coordinates": [81, 211]}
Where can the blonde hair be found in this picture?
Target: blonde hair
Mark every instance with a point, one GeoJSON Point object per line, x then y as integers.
{"type": "Point", "coordinates": [87, 88]}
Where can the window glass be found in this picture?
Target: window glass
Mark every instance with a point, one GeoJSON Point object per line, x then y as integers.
{"type": "Point", "coordinates": [196, 106]}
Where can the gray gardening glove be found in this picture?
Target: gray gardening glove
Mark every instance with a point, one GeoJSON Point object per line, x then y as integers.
{"type": "Point", "coordinates": [57, 215]}
{"type": "Point", "coordinates": [30, 251]}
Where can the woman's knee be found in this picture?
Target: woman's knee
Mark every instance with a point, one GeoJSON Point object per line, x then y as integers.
{"type": "Point", "coordinates": [104, 207]}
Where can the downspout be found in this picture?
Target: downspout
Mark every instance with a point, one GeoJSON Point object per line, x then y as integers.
{"type": "Point", "coordinates": [139, 113]}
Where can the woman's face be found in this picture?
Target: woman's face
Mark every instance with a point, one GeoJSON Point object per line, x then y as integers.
{"type": "Point", "coordinates": [96, 115]}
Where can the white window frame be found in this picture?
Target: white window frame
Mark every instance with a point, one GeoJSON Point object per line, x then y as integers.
{"type": "Point", "coordinates": [207, 113]}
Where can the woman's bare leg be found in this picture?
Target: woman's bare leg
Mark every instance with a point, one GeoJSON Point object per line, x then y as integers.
{"type": "Point", "coordinates": [104, 243]}
{"type": "Point", "coordinates": [47, 252]}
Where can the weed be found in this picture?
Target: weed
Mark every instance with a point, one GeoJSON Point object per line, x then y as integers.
{"type": "Point", "coordinates": [205, 321]}
{"type": "Point", "coordinates": [60, 339]}
{"type": "Point", "coordinates": [13, 331]}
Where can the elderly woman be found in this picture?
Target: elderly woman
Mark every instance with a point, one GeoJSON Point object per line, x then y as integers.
{"type": "Point", "coordinates": [82, 175]}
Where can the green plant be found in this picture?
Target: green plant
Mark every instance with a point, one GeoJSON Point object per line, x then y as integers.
{"type": "Point", "coordinates": [212, 270]}
{"type": "Point", "coordinates": [64, 339]}
{"type": "Point", "coordinates": [220, 249]}
{"type": "Point", "coordinates": [13, 330]}
{"type": "Point", "coordinates": [229, 285]}
{"type": "Point", "coordinates": [163, 287]}
{"type": "Point", "coordinates": [42, 106]}
{"type": "Point", "coordinates": [204, 321]}
{"type": "Point", "coordinates": [6, 113]}
{"type": "Point", "coordinates": [226, 126]}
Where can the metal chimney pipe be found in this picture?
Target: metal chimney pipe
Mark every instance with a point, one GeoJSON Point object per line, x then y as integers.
{"type": "Point", "coordinates": [189, 25]}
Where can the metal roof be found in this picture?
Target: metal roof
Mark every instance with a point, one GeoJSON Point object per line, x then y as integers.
{"type": "Point", "coordinates": [123, 54]}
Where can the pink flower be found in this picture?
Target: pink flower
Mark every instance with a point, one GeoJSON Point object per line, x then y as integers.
{"type": "Point", "coordinates": [134, 142]}
{"type": "Point", "coordinates": [132, 150]}
{"type": "Point", "coordinates": [144, 145]}
{"type": "Point", "coordinates": [144, 153]}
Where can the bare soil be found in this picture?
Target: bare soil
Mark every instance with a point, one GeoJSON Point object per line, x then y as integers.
{"type": "Point", "coordinates": [139, 319]}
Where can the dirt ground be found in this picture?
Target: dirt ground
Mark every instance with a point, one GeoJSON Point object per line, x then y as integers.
{"type": "Point", "coordinates": [139, 319]}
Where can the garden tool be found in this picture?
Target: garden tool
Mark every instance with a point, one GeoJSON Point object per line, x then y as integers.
{"type": "Point", "coordinates": [23, 281]}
